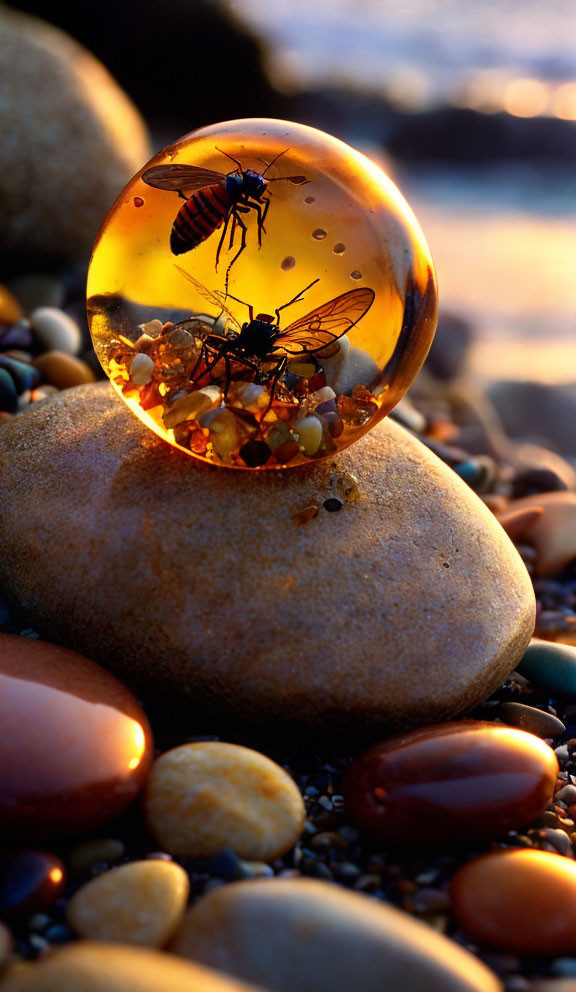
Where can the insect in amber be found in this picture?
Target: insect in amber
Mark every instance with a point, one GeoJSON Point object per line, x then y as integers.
{"type": "Point", "coordinates": [260, 347]}
{"type": "Point", "coordinates": [212, 199]}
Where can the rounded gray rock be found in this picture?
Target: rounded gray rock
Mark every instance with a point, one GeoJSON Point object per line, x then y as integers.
{"type": "Point", "coordinates": [194, 583]}
{"type": "Point", "coordinates": [71, 140]}
{"type": "Point", "coordinates": [301, 935]}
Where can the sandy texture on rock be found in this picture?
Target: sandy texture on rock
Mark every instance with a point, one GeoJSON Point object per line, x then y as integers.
{"type": "Point", "coordinates": [71, 139]}
{"type": "Point", "coordinates": [192, 582]}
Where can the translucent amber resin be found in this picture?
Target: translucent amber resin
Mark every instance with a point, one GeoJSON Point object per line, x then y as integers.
{"type": "Point", "coordinates": [261, 295]}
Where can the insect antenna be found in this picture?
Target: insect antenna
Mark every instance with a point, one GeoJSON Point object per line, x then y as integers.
{"type": "Point", "coordinates": [275, 159]}
{"type": "Point", "coordinates": [231, 157]}
{"type": "Point", "coordinates": [296, 299]}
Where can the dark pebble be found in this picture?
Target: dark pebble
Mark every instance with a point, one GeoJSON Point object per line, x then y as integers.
{"type": "Point", "coordinates": [333, 504]}
{"type": "Point", "coordinates": [530, 718]}
{"type": "Point", "coordinates": [30, 881]}
{"type": "Point", "coordinates": [18, 335]}
{"type": "Point", "coordinates": [255, 453]}
{"type": "Point", "coordinates": [8, 393]}
{"type": "Point", "coordinates": [537, 480]}
{"type": "Point", "coordinates": [550, 665]}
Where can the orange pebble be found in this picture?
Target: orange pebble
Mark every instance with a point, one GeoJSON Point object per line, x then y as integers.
{"type": "Point", "coordinates": [520, 901]}
{"type": "Point", "coordinates": [64, 371]}
{"type": "Point", "coordinates": [554, 533]}
{"type": "Point", "coordinates": [10, 309]}
{"type": "Point", "coordinates": [517, 523]}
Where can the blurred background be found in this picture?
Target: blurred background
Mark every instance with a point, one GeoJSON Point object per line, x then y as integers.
{"type": "Point", "coordinates": [469, 104]}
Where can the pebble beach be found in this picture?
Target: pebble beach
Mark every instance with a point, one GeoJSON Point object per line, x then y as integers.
{"type": "Point", "coordinates": [330, 744]}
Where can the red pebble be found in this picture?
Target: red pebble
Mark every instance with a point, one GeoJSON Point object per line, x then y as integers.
{"type": "Point", "coordinates": [451, 783]}
{"type": "Point", "coordinates": [75, 746]}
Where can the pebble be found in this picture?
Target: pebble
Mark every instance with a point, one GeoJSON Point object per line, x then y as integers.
{"type": "Point", "coordinates": [138, 903]}
{"type": "Point", "coordinates": [95, 967]}
{"type": "Point", "coordinates": [451, 783]}
{"type": "Point", "coordinates": [518, 523]}
{"type": "Point", "coordinates": [550, 665]}
{"type": "Point", "coordinates": [310, 432]}
{"type": "Point", "coordinates": [10, 309]}
{"type": "Point", "coordinates": [554, 533]}
{"type": "Point", "coordinates": [530, 718]}
{"type": "Point", "coordinates": [82, 128]}
{"type": "Point", "coordinates": [63, 371]}
{"type": "Point", "coordinates": [522, 901]}
{"type": "Point", "coordinates": [141, 368]}
{"type": "Point", "coordinates": [54, 330]}
{"type": "Point", "coordinates": [202, 797]}
{"type": "Point", "coordinates": [5, 946]}
{"type": "Point", "coordinates": [92, 852]}
{"type": "Point", "coordinates": [50, 699]}
{"type": "Point", "coordinates": [8, 393]}
{"type": "Point", "coordinates": [303, 935]}
{"type": "Point", "coordinates": [385, 661]}
{"type": "Point", "coordinates": [30, 881]}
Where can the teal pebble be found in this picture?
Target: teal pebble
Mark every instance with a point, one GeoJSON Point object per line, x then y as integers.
{"type": "Point", "coordinates": [24, 376]}
{"type": "Point", "coordinates": [550, 665]}
{"type": "Point", "coordinates": [8, 392]}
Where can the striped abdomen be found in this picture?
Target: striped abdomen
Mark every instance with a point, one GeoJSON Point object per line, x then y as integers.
{"type": "Point", "coordinates": [202, 214]}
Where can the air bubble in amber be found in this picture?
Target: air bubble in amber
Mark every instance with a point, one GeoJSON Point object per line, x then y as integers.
{"type": "Point", "coordinates": [260, 294]}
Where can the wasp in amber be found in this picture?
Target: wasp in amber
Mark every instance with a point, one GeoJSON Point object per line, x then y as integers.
{"type": "Point", "coordinates": [262, 347]}
{"type": "Point", "coordinates": [213, 199]}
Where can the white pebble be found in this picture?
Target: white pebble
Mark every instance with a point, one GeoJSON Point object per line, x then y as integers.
{"type": "Point", "coordinates": [141, 369]}
{"type": "Point", "coordinates": [254, 397]}
{"type": "Point", "coordinates": [55, 330]}
{"type": "Point", "coordinates": [323, 395]}
{"type": "Point", "coordinates": [309, 430]}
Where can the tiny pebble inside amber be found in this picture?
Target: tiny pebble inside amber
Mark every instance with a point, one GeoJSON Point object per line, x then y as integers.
{"type": "Point", "coordinates": [260, 294]}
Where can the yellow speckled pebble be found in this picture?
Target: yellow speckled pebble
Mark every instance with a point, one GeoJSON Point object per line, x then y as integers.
{"type": "Point", "coordinates": [86, 967]}
{"type": "Point", "coordinates": [138, 903]}
{"type": "Point", "coordinates": [206, 796]}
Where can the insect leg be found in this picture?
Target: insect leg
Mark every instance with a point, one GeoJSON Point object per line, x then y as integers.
{"type": "Point", "coordinates": [244, 229]}
{"type": "Point", "coordinates": [282, 363]}
{"type": "Point", "coordinates": [248, 305]}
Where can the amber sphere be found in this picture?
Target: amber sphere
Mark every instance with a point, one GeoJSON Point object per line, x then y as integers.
{"type": "Point", "coordinates": [452, 783]}
{"type": "Point", "coordinates": [261, 295]}
{"type": "Point", "coordinates": [75, 746]}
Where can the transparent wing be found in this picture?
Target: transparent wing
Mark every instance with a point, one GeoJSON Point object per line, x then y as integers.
{"type": "Point", "coordinates": [326, 324]}
{"type": "Point", "coordinates": [211, 298]}
{"type": "Point", "coordinates": [180, 178]}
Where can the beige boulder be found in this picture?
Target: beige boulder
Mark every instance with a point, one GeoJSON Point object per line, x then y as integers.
{"type": "Point", "coordinates": [300, 935]}
{"type": "Point", "coordinates": [194, 584]}
{"type": "Point", "coordinates": [86, 967]}
{"type": "Point", "coordinates": [71, 140]}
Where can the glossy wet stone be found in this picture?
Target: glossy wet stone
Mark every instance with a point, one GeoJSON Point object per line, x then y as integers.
{"type": "Point", "coordinates": [451, 783]}
{"type": "Point", "coordinates": [520, 901]}
{"type": "Point", "coordinates": [550, 665]}
{"type": "Point", "coordinates": [74, 744]}
{"type": "Point", "coordinates": [530, 718]}
{"type": "Point", "coordinates": [30, 881]}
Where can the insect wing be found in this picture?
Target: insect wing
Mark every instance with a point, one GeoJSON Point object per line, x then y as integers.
{"type": "Point", "coordinates": [326, 324]}
{"type": "Point", "coordinates": [181, 178]}
{"type": "Point", "coordinates": [211, 298]}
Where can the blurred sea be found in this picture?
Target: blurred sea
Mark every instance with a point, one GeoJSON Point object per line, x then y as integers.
{"type": "Point", "coordinates": [503, 236]}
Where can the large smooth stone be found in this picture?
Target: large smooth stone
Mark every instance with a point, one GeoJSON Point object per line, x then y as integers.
{"type": "Point", "coordinates": [300, 935]}
{"type": "Point", "coordinates": [453, 783]}
{"type": "Point", "coordinates": [86, 967]}
{"type": "Point", "coordinates": [522, 902]}
{"type": "Point", "coordinates": [75, 746]}
{"type": "Point", "coordinates": [194, 583]}
{"type": "Point", "coordinates": [74, 140]}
